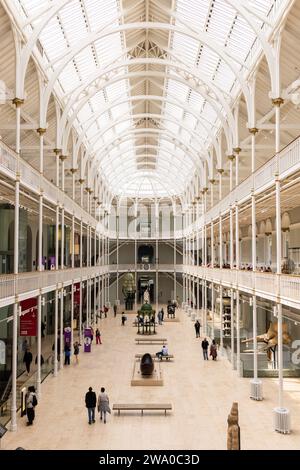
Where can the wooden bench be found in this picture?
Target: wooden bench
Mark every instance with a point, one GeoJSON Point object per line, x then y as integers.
{"type": "Point", "coordinates": [150, 340]}
{"type": "Point", "coordinates": [168, 357]}
{"type": "Point", "coordinates": [142, 407]}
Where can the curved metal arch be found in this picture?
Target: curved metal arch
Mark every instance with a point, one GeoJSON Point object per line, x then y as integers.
{"type": "Point", "coordinates": [154, 116]}
{"type": "Point", "coordinates": [164, 170]}
{"type": "Point", "coordinates": [151, 177]}
{"type": "Point", "coordinates": [184, 106]}
{"type": "Point", "coordinates": [124, 151]}
{"type": "Point", "coordinates": [98, 74]}
{"type": "Point", "coordinates": [186, 145]}
{"type": "Point", "coordinates": [146, 97]}
{"type": "Point", "coordinates": [201, 37]}
{"type": "Point", "coordinates": [139, 98]}
{"type": "Point", "coordinates": [205, 96]}
{"type": "Point", "coordinates": [29, 46]}
{"type": "Point", "coordinates": [166, 136]}
{"type": "Point", "coordinates": [61, 3]}
{"type": "Point", "coordinates": [149, 131]}
{"type": "Point", "coordinates": [146, 146]}
{"type": "Point", "coordinates": [268, 50]}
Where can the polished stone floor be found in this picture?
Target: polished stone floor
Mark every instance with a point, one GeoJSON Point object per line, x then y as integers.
{"type": "Point", "coordinates": [201, 394]}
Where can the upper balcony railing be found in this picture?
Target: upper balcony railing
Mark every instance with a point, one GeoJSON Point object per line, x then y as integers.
{"type": "Point", "coordinates": [274, 287]}
{"type": "Point", "coordinates": [25, 285]}
{"type": "Point", "coordinates": [11, 166]}
{"type": "Point", "coordinates": [262, 179]}
{"type": "Point", "coordinates": [113, 268]}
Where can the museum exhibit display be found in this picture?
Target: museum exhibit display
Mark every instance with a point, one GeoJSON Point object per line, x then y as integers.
{"type": "Point", "coordinates": [129, 290]}
{"type": "Point", "coordinates": [147, 364]}
{"type": "Point", "coordinates": [146, 324]}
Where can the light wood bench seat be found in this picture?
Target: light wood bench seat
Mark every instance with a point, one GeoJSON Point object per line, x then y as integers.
{"type": "Point", "coordinates": [151, 339]}
{"type": "Point", "coordinates": [168, 357]}
{"type": "Point", "coordinates": [142, 407]}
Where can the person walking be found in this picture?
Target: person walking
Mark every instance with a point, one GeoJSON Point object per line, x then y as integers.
{"type": "Point", "coordinates": [103, 404]}
{"type": "Point", "coordinates": [67, 351]}
{"type": "Point", "coordinates": [115, 310]}
{"type": "Point", "coordinates": [197, 328]}
{"type": "Point", "coordinates": [28, 360]}
{"type": "Point", "coordinates": [159, 315]}
{"type": "Point", "coordinates": [105, 311]}
{"type": "Point", "coordinates": [31, 402]}
{"type": "Point", "coordinates": [90, 403]}
{"type": "Point", "coordinates": [124, 318]}
{"type": "Point", "coordinates": [76, 352]}
{"type": "Point", "coordinates": [98, 337]}
{"type": "Point", "coordinates": [213, 350]}
{"type": "Point", "coordinates": [205, 345]}
{"type": "Point", "coordinates": [162, 314]}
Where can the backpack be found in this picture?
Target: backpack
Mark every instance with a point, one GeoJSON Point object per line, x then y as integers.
{"type": "Point", "coordinates": [34, 401]}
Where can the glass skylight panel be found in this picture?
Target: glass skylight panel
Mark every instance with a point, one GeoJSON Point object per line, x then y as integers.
{"type": "Point", "coordinates": [79, 18]}
{"type": "Point", "coordinates": [73, 23]}
{"type": "Point", "coordinates": [108, 48]}
{"type": "Point", "coordinates": [225, 76]}
{"type": "Point", "coordinates": [221, 21]}
{"type": "Point", "coordinates": [193, 12]}
{"type": "Point", "coordinates": [69, 77]}
{"type": "Point", "coordinates": [177, 89]}
{"type": "Point", "coordinates": [85, 113]}
{"type": "Point", "coordinates": [101, 13]}
{"type": "Point", "coordinates": [186, 47]}
{"type": "Point", "coordinates": [53, 40]}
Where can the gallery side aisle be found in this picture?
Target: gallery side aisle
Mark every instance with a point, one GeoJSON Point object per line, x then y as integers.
{"type": "Point", "coordinates": [201, 393]}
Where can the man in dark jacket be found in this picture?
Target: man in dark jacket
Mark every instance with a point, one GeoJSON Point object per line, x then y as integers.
{"type": "Point", "coordinates": [90, 403]}
{"type": "Point", "coordinates": [205, 345]}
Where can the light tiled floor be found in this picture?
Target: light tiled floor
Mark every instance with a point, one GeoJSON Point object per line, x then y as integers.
{"type": "Point", "coordinates": [201, 392]}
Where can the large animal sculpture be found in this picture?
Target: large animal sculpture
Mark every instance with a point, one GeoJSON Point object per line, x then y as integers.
{"type": "Point", "coordinates": [270, 339]}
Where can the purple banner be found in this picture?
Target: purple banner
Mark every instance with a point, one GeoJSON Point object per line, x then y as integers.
{"type": "Point", "coordinates": [87, 340]}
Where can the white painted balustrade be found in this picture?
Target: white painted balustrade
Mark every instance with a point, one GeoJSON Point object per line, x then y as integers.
{"type": "Point", "coordinates": [271, 286]}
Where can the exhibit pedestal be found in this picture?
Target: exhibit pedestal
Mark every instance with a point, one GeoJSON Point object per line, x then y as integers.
{"type": "Point", "coordinates": [256, 390]}
{"type": "Point", "coordinates": [156, 379]}
{"type": "Point", "coordinates": [282, 420]}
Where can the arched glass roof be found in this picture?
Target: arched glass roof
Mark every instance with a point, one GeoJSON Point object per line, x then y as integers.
{"type": "Point", "coordinates": [146, 83]}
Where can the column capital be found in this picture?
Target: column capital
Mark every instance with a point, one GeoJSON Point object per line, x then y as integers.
{"type": "Point", "coordinates": [81, 180]}
{"type": "Point", "coordinates": [253, 130]}
{"type": "Point", "coordinates": [73, 170]}
{"type": "Point", "coordinates": [204, 190]}
{"type": "Point", "coordinates": [212, 181]}
{"type": "Point", "coordinates": [277, 101]}
{"type": "Point", "coordinates": [18, 102]}
{"type": "Point", "coordinates": [231, 157]}
{"type": "Point", "coordinates": [57, 151]}
{"type": "Point", "coordinates": [63, 157]}
{"type": "Point", "coordinates": [237, 150]}
{"type": "Point", "coordinates": [18, 177]}
{"type": "Point", "coordinates": [41, 130]}
{"type": "Point", "coordinates": [220, 171]}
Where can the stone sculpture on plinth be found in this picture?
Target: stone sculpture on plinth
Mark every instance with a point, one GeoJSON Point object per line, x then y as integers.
{"type": "Point", "coordinates": [147, 364]}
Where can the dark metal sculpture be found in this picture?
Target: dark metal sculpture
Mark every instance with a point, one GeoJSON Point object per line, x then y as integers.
{"type": "Point", "coordinates": [147, 364]}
